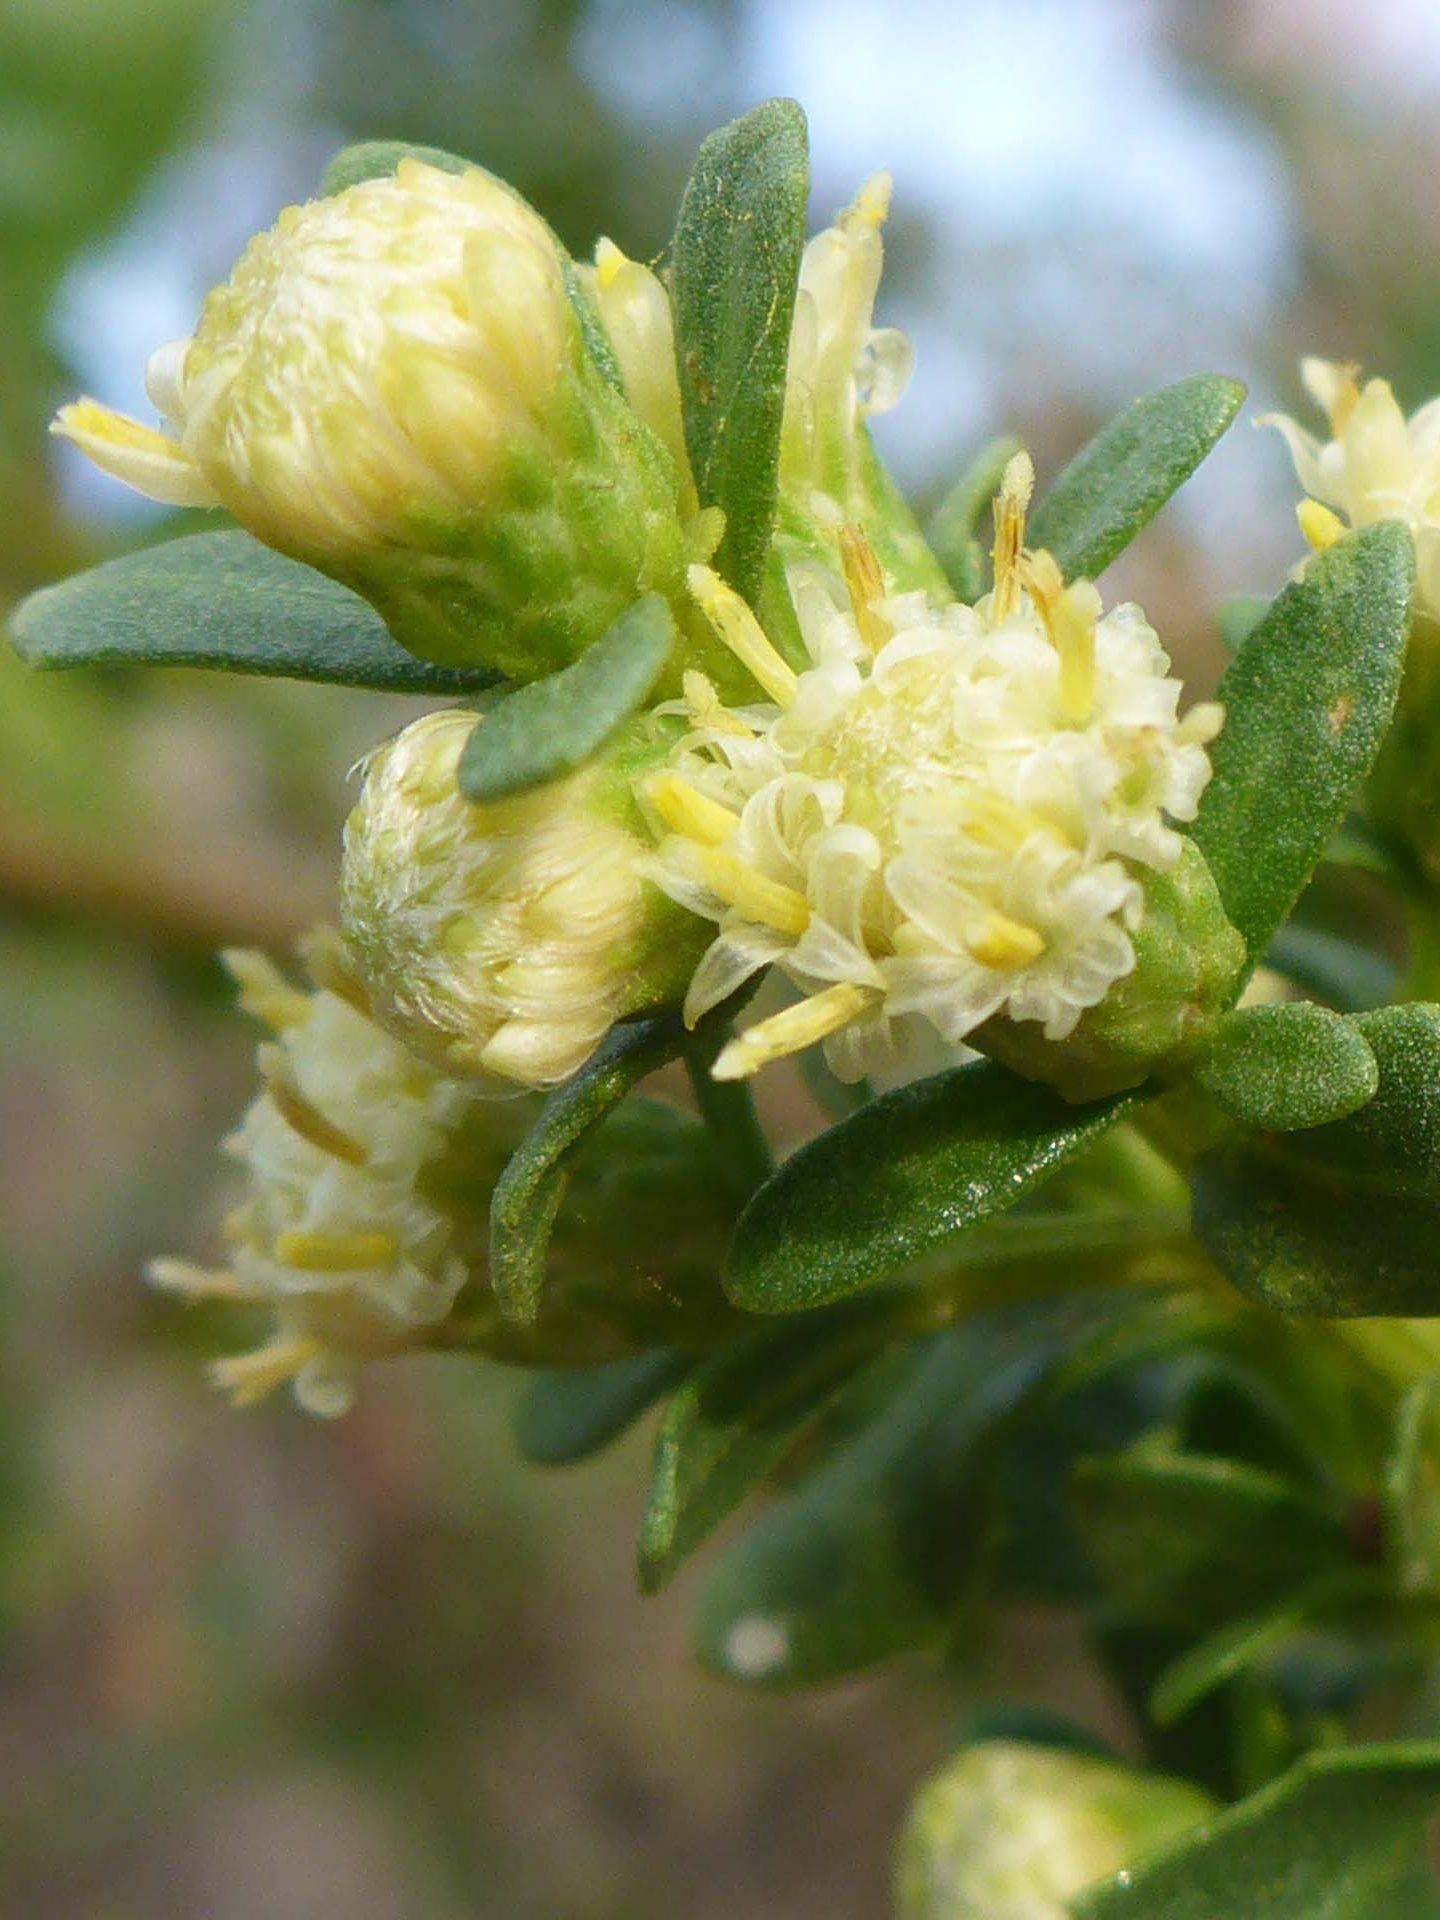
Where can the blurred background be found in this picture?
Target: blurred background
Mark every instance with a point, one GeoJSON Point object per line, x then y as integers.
{"type": "Point", "coordinates": [252, 1664]}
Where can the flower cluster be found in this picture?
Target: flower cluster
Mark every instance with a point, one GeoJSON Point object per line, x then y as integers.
{"type": "Point", "coordinates": [335, 1235]}
{"type": "Point", "coordinates": [941, 818]}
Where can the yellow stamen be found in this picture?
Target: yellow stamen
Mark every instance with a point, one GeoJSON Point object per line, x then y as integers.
{"type": "Point", "coordinates": [706, 709]}
{"type": "Point", "coordinates": [335, 1252]}
{"type": "Point", "coordinates": [737, 626]}
{"type": "Point", "coordinates": [1000, 823]}
{"type": "Point", "coordinates": [870, 208]}
{"type": "Point", "coordinates": [865, 584]}
{"type": "Point", "coordinates": [196, 1283]}
{"type": "Point", "coordinates": [684, 809]}
{"type": "Point", "coordinates": [328, 964]}
{"type": "Point", "coordinates": [1336, 386]}
{"type": "Point", "coordinates": [1017, 483]}
{"type": "Point", "coordinates": [249, 1377]}
{"type": "Point", "coordinates": [769, 901]}
{"type": "Point", "coordinates": [610, 262]}
{"type": "Point", "coordinates": [1320, 526]}
{"type": "Point", "coordinates": [1077, 614]}
{"type": "Point", "coordinates": [264, 991]}
{"type": "Point", "coordinates": [297, 1112]}
{"type": "Point", "coordinates": [793, 1030]}
{"type": "Point", "coordinates": [1201, 724]}
{"type": "Point", "coordinates": [1004, 943]}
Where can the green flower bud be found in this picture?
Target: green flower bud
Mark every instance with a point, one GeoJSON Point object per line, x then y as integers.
{"type": "Point", "coordinates": [364, 1228]}
{"type": "Point", "coordinates": [1008, 1831]}
{"type": "Point", "coordinates": [394, 386]}
{"type": "Point", "coordinates": [504, 941]}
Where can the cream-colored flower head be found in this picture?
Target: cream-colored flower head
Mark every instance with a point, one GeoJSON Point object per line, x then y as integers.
{"type": "Point", "coordinates": [335, 1235]}
{"type": "Point", "coordinates": [393, 386]}
{"type": "Point", "coordinates": [942, 820]}
{"type": "Point", "coordinates": [1377, 465]}
{"type": "Point", "coordinates": [500, 941]}
{"type": "Point", "coordinates": [1009, 1831]}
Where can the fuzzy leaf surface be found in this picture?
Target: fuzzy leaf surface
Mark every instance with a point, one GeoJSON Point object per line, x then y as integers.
{"type": "Point", "coordinates": [899, 1177]}
{"type": "Point", "coordinates": [1307, 701]}
{"type": "Point", "coordinates": [551, 727]}
{"type": "Point", "coordinates": [1119, 481]}
{"type": "Point", "coordinates": [1289, 1066]}
{"type": "Point", "coordinates": [223, 600]}
{"type": "Point", "coordinates": [735, 265]}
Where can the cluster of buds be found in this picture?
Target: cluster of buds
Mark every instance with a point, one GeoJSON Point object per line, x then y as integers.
{"type": "Point", "coordinates": [953, 827]}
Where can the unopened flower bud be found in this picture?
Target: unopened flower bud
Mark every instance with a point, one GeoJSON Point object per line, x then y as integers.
{"type": "Point", "coordinates": [363, 1229]}
{"type": "Point", "coordinates": [1009, 1831]}
{"type": "Point", "coordinates": [960, 817]}
{"type": "Point", "coordinates": [503, 941]}
{"type": "Point", "coordinates": [394, 386]}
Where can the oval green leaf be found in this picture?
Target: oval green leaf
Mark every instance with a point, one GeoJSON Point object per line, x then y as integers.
{"type": "Point", "coordinates": [1307, 701]}
{"type": "Point", "coordinates": [901, 1176]}
{"type": "Point", "coordinates": [223, 600]}
{"type": "Point", "coordinates": [1341, 1836]}
{"type": "Point", "coordinates": [548, 729]}
{"type": "Point", "coordinates": [735, 265]}
{"type": "Point", "coordinates": [1286, 1067]}
{"type": "Point", "coordinates": [1119, 481]}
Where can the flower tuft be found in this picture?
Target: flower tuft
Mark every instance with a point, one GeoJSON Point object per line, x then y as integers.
{"type": "Point", "coordinates": [943, 819]}
{"type": "Point", "coordinates": [503, 941]}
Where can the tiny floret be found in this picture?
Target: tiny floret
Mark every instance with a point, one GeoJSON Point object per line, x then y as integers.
{"type": "Point", "coordinates": [1376, 465]}
{"type": "Point", "coordinates": [945, 818]}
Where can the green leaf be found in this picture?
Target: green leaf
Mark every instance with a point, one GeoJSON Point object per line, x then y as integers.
{"type": "Point", "coordinates": [1342, 1219]}
{"type": "Point", "coordinates": [1239, 617]}
{"type": "Point", "coordinates": [952, 530]}
{"type": "Point", "coordinates": [1242, 1645]}
{"type": "Point", "coordinates": [569, 1413]}
{"type": "Point", "coordinates": [868, 1555]}
{"type": "Point", "coordinates": [905, 1174]}
{"type": "Point", "coordinates": [528, 1193]}
{"type": "Point", "coordinates": [1119, 481]}
{"type": "Point", "coordinates": [222, 600]}
{"type": "Point", "coordinates": [1412, 1491]}
{"type": "Point", "coordinates": [1307, 701]}
{"type": "Point", "coordinates": [1288, 1066]}
{"type": "Point", "coordinates": [551, 727]}
{"type": "Point", "coordinates": [378, 159]}
{"type": "Point", "coordinates": [1183, 1540]}
{"type": "Point", "coordinates": [1341, 1836]}
{"type": "Point", "coordinates": [1350, 977]}
{"type": "Point", "coordinates": [735, 265]}
{"type": "Point", "coordinates": [740, 1413]}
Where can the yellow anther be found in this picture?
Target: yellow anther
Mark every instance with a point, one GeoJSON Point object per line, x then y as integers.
{"type": "Point", "coordinates": [1041, 576]}
{"type": "Point", "coordinates": [1320, 526]}
{"type": "Point", "coordinates": [610, 263]}
{"type": "Point", "coordinates": [1201, 724]}
{"type": "Point", "coordinates": [737, 626]}
{"type": "Point", "coordinates": [870, 208]}
{"type": "Point", "coordinates": [707, 709]}
{"type": "Point", "coordinates": [306, 1120]}
{"type": "Point", "coordinates": [770, 902]}
{"type": "Point", "coordinates": [335, 1252]}
{"type": "Point", "coordinates": [1077, 613]}
{"type": "Point", "coordinates": [1017, 483]}
{"type": "Point", "coordinates": [249, 1377]}
{"type": "Point", "coordinates": [1000, 823]}
{"type": "Point", "coordinates": [793, 1030]}
{"type": "Point", "coordinates": [1335, 385]}
{"type": "Point", "coordinates": [684, 809]}
{"type": "Point", "coordinates": [865, 584]}
{"type": "Point", "coordinates": [1004, 943]}
{"type": "Point", "coordinates": [264, 991]}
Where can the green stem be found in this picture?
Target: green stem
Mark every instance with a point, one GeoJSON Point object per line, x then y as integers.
{"type": "Point", "coordinates": [728, 1111]}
